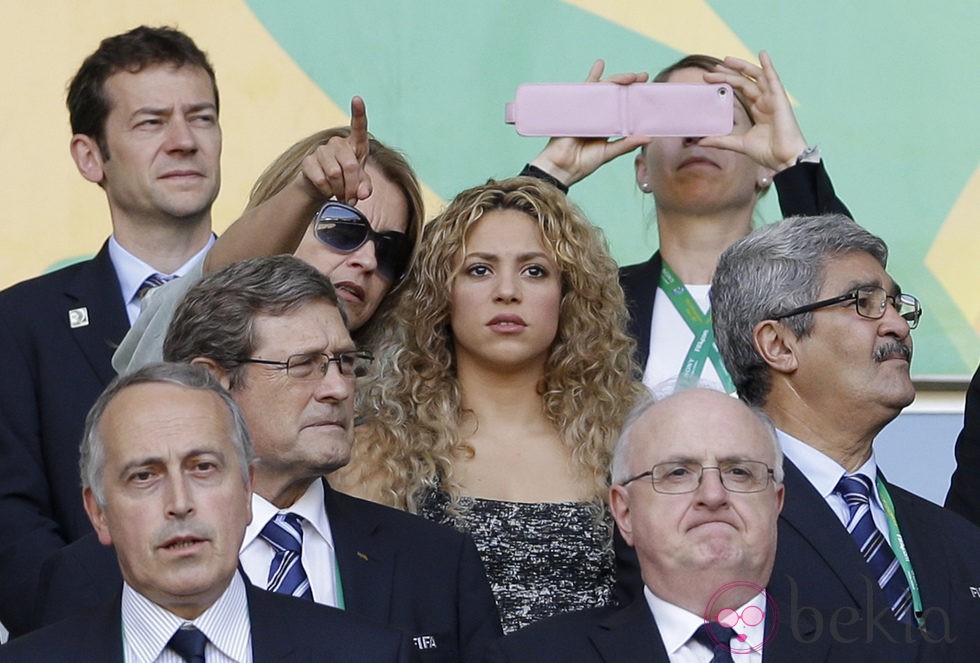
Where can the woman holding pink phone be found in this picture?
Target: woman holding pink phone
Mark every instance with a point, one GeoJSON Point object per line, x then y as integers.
{"type": "Point", "coordinates": [705, 191]}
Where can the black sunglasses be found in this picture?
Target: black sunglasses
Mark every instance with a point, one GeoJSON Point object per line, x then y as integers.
{"type": "Point", "coordinates": [344, 228]}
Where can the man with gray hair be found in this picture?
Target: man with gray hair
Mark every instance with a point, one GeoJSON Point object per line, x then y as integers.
{"type": "Point", "coordinates": [815, 332]}
{"type": "Point", "coordinates": [697, 488]}
{"type": "Point", "coordinates": [271, 330]}
{"type": "Point", "coordinates": [166, 467]}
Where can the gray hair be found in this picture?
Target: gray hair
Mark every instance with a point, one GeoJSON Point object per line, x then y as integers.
{"type": "Point", "coordinates": [92, 451]}
{"type": "Point", "coordinates": [776, 268]}
{"type": "Point", "coordinates": [621, 453]}
{"type": "Point", "coordinates": [215, 319]}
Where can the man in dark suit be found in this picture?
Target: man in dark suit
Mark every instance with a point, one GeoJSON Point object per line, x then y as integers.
{"type": "Point", "coordinates": [815, 331]}
{"type": "Point", "coordinates": [697, 491]}
{"type": "Point", "coordinates": [271, 330]}
{"type": "Point", "coordinates": [144, 114]}
{"type": "Point", "coordinates": [167, 469]}
{"type": "Point", "coordinates": [964, 489]}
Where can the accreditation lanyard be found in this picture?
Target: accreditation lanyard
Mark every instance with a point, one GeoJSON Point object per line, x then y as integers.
{"type": "Point", "coordinates": [897, 544]}
{"type": "Point", "coordinates": [703, 346]}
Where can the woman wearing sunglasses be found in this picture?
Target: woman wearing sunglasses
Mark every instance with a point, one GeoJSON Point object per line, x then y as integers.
{"type": "Point", "coordinates": [366, 209]}
{"type": "Point", "coordinates": [506, 374]}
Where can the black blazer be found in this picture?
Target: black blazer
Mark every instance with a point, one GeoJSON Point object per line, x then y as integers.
{"type": "Point", "coordinates": [630, 635]}
{"type": "Point", "coordinates": [804, 189]}
{"type": "Point", "coordinates": [51, 375]}
{"type": "Point", "coordinates": [283, 629]}
{"type": "Point", "coordinates": [395, 568]}
{"type": "Point", "coordinates": [964, 489]}
{"type": "Point", "coordinates": [819, 566]}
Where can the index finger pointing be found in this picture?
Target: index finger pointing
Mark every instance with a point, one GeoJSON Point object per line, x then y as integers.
{"type": "Point", "coordinates": [359, 128]}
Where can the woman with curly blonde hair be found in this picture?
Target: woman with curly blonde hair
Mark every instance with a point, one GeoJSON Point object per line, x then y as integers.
{"type": "Point", "coordinates": [504, 377]}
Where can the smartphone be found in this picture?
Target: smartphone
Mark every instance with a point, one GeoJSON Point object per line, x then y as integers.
{"type": "Point", "coordinates": [588, 110]}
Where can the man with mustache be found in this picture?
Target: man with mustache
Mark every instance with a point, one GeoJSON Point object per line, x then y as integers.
{"type": "Point", "coordinates": [167, 467]}
{"type": "Point", "coordinates": [816, 333]}
{"type": "Point", "coordinates": [272, 331]}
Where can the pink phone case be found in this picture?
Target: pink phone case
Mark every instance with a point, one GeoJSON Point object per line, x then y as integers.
{"type": "Point", "coordinates": [607, 109]}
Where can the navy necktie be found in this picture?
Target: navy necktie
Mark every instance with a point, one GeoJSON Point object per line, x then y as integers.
{"type": "Point", "coordinates": [856, 491]}
{"type": "Point", "coordinates": [189, 643]}
{"type": "Point", "coordinates": [286, 573]}
{"type": "Point", "coordinates": [718, 639]}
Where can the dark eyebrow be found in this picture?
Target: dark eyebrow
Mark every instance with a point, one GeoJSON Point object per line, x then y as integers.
{"type": "Point", "coordinates": [160, 460]}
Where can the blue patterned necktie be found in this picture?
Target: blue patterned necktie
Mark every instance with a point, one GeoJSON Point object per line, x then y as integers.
{"type": "Point", "coordinates": [189, 643]}
{"type": "Point", "coordinates": [286, 573]}
{"type": "Point", "coordinates": [152, 281]}
{"type": "Point", "coordinates": [856, 491]}
{"type": "Point", "coordinates": [718, 639]}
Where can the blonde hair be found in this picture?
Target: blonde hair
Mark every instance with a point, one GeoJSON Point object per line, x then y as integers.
{"type": "Point", "coordinates": [392, 164]}
{"type": "Point", "coordinates": [409, 444]}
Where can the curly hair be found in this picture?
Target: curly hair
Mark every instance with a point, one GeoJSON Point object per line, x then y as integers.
{"type": "Point", "coordinates": [588, 385]}
{"type": "Point", "coordinates": [392, 164]}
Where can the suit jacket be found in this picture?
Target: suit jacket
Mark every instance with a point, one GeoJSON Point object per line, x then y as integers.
{"type": "Point", "coordinates": [630, 635]}
{"type": "Point", "coordinates": [395, 568]}
{"type": "Point", "coordinates": [51, 375]}
{"type": "Point", "coordinates": [819, 566]}
{"type": "Point", "coordinates": [804, 189]}
{"type": "Point", "coordinates": [315, 634]}
{"type": "Point", "coordinates": [964, 489]}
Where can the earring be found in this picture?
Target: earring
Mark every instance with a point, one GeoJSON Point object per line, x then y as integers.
{"type": "Point", "coordinates": [764, 182]}
{"type": "Point", "coordinates": [645, 186]}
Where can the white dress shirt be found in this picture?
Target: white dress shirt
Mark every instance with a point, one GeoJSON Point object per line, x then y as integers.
{"type": "Point", "coordinates": [823, 472]}
{"type": "Point", "coordinates": [677, 627]}
{"type": "Point", "coordinates": [132, 272]}
{"type": "Point", "coordinates": [147, 628]}
{"type": "Point", "coordinates": [319, 560]}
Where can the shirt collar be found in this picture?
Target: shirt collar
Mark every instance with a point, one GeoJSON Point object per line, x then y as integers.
{"type": "Point", "coordinates": [677, 625]}
{"type": "Point", "coordinates": [820, 469]}
{"type": "Point", "coordinates": [310, 507]}
{"type": "Point", "coordinates": [132, 271]}
{"type": "Point", "coordinates": [148, 627]}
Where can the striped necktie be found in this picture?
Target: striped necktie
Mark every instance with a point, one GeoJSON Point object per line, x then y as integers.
{"type": "Point", "coordinates": [718, 639]}
{"type": "Point", "coordinates": [286, 574]}
{"type": "Point", "coordinates": [856, 491]}
{"type": "Point", "coordinates": [152, 281]}
{"type": "Point", "coordinates": [189, 644]}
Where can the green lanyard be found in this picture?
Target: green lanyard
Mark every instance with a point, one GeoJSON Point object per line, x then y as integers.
{"type": "Point", "coordinates": [338, 585]}
{"type": "Point", "coordinates": [703, 346]}
{"type": "Point", "coordinates": [901, 553]}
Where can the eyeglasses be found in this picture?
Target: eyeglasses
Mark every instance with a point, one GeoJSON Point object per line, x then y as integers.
{"type": "Point", "coordinates": [869, 302]}
{"type": "Point", "coordinates": [352, 364]}
{"type": "Point", "coordinates": [345, 229]}
{"type": "Point", "coordinates": [737, 476]}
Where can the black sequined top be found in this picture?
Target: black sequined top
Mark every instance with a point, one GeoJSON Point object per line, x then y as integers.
{"type": "Point", "coordinates": [541, 558]}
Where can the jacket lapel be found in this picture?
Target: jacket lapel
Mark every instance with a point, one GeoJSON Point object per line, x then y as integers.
{"type": "Point", "coordinates": [629, 635]}
{"type": "Point", "coordinates": [95, 313]}
{"type": "Point", "coordinates": [640, 283]}
{"type": "Point", "coordinates": [366, 566]}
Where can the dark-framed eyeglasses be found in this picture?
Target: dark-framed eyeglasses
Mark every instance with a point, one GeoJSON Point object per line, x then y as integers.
{"type": "Point", "coordinates": [314, 366]}
{"type": "Point", "coordinates": [345, 229]}
{"type": "Point", "coordinates": [737, 476]}
{"type": "Point", "coordinates": [869, 302]}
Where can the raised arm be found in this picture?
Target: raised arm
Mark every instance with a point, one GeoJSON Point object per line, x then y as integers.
{"type": "Point", "coordinates": [570, 160]}
{"type": "Point", "coordinates": [775, 139]}
{"type": "Point", "coordinates": [333, 170]}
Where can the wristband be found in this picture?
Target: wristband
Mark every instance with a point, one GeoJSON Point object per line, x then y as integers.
{"type": "Point", "coordinates": [537, 173]}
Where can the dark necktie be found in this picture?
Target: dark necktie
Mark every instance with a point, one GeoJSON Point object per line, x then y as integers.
{"type": "Point", "coordinates": [856, 491]}
{"type": "Point", "coordinates": [189, 643]}
{"type": "Point", "coordinates": [718, 639]}
{"type": "Point", "coordinates": [152, 281]}
{"type": "Point", "coordinates": [286, 573]}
